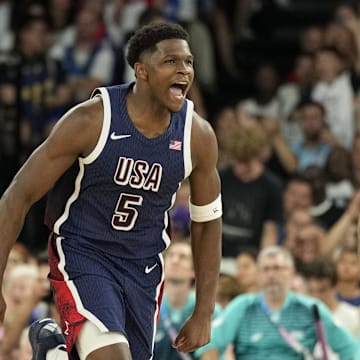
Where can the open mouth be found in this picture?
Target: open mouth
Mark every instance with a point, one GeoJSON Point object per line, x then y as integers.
{"type": "Point", "coordinates": [178, 89]}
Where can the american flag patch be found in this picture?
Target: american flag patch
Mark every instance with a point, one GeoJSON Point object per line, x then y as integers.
{"type": "Point", "coordinates": [175, 145]}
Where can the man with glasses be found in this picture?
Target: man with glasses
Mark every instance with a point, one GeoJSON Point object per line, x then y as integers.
{"type": "Point", "coordinates": [275, 323]}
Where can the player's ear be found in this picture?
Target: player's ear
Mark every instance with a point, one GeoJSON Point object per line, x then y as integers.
{"type": "Point", "coordinates": [140, 71]}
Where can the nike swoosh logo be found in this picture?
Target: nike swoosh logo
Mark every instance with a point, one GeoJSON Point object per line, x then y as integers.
{"type": "Point", "coordinates": [148, 269]}
{"type": "Point", "coordinates": [113, 136]}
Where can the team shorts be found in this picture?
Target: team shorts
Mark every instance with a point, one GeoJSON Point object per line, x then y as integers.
{"type": "Point", "coordinates": [115, 294]}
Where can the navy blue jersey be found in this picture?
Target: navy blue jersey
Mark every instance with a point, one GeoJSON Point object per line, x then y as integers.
{"type": "Point", "coordinates": [116, 199]}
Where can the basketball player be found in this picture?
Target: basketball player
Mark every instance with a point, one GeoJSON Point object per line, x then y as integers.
{"type": "Point", "coordinates": [116, 161]}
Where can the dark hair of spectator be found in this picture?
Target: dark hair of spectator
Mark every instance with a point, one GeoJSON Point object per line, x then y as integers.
{"type": "Point", "coordinates": [252, 252]}
{"type": "Point", "coordinates": [309, 102]}
{"type": "Point", "coordinates": [321, 268]}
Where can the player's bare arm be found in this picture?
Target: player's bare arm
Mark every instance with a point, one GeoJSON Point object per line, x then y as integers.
{"type": "Point", "coordinates": [205, 188]}
{"type": "Point", "coordinates": [206, 236]}
{"type": "Point", "coordinates": [74, 135]}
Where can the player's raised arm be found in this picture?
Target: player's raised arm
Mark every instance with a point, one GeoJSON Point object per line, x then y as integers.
{"type": "Point", "coordinates": [205, 210]}
{"type": "Point", "coordinates": [74, 135]}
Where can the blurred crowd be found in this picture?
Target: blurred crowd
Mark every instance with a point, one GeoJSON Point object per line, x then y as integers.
{"type": "Point", "coordinates": [289, 140]}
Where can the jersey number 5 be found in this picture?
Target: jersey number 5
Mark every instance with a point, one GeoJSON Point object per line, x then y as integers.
{"type": "Point", "coordinates": [126, 214]}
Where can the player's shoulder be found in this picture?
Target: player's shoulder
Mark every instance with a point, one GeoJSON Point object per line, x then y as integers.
{"type": "Point", "coordinates": [91, 109]}
{"type": "Point", "coordinates": [201, 124]}
{"type": "Point", "coordinates": [202, 129]}
{"type": "Point", "coordinates": [79, 127]}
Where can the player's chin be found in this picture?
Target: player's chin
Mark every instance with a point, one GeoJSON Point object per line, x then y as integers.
{"type": "Point", "coordinates": [175, 106]}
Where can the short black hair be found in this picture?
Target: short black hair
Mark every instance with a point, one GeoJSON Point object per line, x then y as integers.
{"type": "Point", "coordinates": [310, 102]}
{"type": "Point", "coordinates": [321, 268]}
{"type": "Point", "coordinates": [146, 37]}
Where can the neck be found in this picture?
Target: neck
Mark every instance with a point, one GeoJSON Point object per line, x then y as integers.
{"type": "Point", "coordinates": [148, 117]}
{"type": "Point", "coordinates": [348, 289]}
{"type": "Point", "coordinates": [311, 143]}
{"type": "Point", "coordinates": [275, 302]}
{"type": "Point", "coordinates": [84, 43]}
{"type": "Point", "coordinates": [252, 174]}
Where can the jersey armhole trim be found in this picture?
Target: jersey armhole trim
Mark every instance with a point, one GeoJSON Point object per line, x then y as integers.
{"type": "Point", "coordinates": [187, 138]}
{"type": "Point", "coordinates": [104, 95]}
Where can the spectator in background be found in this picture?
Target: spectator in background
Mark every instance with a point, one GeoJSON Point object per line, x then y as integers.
{"type": "Point", "coordinates": [321, 280]}
{"type": "Point", "coordinates": [334, 91]}
{"type": "Point", "coordinates": [296, 220]}
{"type": "Point", "coordinates": [297, 196]}
{"type": "Point", "coordinates": [252, 322]}
{"type": "Point", "coordinates": [178, 300]}
{"type": "Point", "coordinates": [34, 303]}
{"type": "Point", "coordinates": [264, 103]}
{"type": "Point", "coordinates": [61, 14]}
{"type": "Point", "coordinates": [311, 39]}
{"type": "Point", "coordinates": [88, 62]}
{"type": "Point", "coordinates": [246, 270]}
{"type": "Point", "coordinates": [294, 92]}
{"type": "Point", "coordinates": [339, 36]}
{"type": "Point", "coordinates": [22, 295]}
{"type": "Point", "coordinates": [308, 244]}
{"type": "Point", "coordinates": [348, 275]}
{"type": "Point", "coordinates": [97, 7]}
{"type": "Point", "coordinates": [278, 158]}
{"type": "Point", "coordinates": [252, 207]}
{"type": "Point", "coordinates": [19, 254]}
{"type": "Point", "coordinates": [227, 289]}
{"type": "Point", "coordinates": [225, 122]}
{"type": "Point", "coordinates": [282, 160]}
{"type": "Point", "coordinates": [343, 33]}
{"type": "Point", "coordinates": [310, 240]}
{"type": "Point", "coordinates": [344, 232]}
{"type": "Point", "coordinates": [315, 147]}
{"type": "Point", "coordinates": [338, 171]}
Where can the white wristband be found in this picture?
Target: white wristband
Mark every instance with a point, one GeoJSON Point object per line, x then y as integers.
{"type": "Point", "coordinates": [206, 212]}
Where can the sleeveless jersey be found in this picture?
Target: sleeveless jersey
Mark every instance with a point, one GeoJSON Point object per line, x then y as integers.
{"type": "Point", "coordinates": [116, 199]}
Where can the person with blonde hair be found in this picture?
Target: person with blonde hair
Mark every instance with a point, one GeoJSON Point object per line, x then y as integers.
{"type": "Point", "coordinates": [252, 205]}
